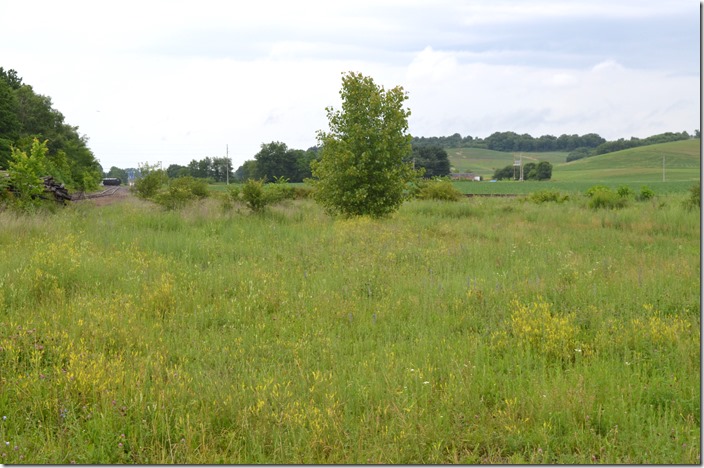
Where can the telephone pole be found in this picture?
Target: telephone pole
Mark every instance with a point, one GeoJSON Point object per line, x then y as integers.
{"type": "Point", "coordinates": [227, 164]}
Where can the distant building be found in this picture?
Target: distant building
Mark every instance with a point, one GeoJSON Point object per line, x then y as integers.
{"type": "Point", "coordinates": [465, 176]}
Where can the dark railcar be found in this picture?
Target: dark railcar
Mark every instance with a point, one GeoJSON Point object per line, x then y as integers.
{"type": "Point", "coordinates": [112, 181]}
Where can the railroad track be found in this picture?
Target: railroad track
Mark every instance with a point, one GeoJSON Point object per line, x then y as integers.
{"type": "Point", "coordinates": [87, 196]}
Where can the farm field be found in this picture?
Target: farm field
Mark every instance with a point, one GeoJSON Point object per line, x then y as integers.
{"type": "Point", "coordinates": [634, 165]}
{"type": "Point", "coordinates": [484, 161]}
{"type": "Point", "coordinates": [481, 331]}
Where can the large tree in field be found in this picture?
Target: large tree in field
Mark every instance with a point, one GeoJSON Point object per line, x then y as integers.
{"type": "Point", "coordinates": [361, 168]}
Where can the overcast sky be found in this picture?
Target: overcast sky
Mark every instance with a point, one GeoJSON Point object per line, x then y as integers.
{"type": "Point", "coordinates": [173, 81]}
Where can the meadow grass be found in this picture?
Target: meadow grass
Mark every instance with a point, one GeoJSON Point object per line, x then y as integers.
{"type": "Point", "coordinates": [573, 187]}
{"type": "Point", "coordinates": [481, 331]}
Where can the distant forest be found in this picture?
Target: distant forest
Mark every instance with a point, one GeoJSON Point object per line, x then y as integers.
{"type": "Point", "coordinates": [25, 116]}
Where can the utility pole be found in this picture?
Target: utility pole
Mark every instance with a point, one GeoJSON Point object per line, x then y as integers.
{"type": "Point", "coordinates": [227, 164]}
{"type": "Point", "coordinates": [663, 168]}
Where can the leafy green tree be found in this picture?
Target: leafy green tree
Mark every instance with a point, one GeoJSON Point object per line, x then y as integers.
{"type": "Point", "coordinates": [361, 169]}
{"type": "Point", "coordinates": [275, 160]}
{"type": "Point", "coordinates": [543, 170]}
{"type": "Point", "coordinates": [432, 158]}
{"type": "Point", "coordinates": [117, 173]}
{"type": "Point", "coordinates": [504, 173]}
{"type": "Point", "coordinates": [530, 171]}
{"type": "Point", "coordinates": [246, 171]}
{"type": "Point", "coordinates": [174, 171]}
{"type": "Point", "coordinates": [9, 122]}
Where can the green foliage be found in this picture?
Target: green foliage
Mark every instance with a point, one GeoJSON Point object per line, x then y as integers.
{"type": "Point", "coordinates": [25, 176]}
{"type": "Point", "coordinates": [117, 173]}
{"type": "Point", "coordinates": [217, 169]}
{"type": "Point", "coordinates": [580, 153]}
{"type": "Point", "coordinates": [438, 189]}
{"type": "Point", "coordinates": [603, 197]}
{"type": "Point", "coordinates": [543, 196]}
{"type": "Point", "coordinates": [433, 159]}
{"type": "Point", "coordinates": [595, 188]}
{"type": "Point", "coordinates": [624, 191]}
{"type": "Point", "coordinates": [645, 193]}
{"type": "Point", "coordinates": [26, 116]}
{"type": "Point", "coordinates": [361, 169]}
{"type": "Point", "coordinates": [695, 197]}
{"type": "Point", "coordinates": [151, 181]}
{"type": "Point", "coordinates": [505, 173]}
{"type": "Point", "coordinates": [254, 196]}
{"type": "Point", "coordinates": [181, 191]}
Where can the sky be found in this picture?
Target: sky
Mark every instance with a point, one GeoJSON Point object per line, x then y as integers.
{"type": "Point", "coordinates": [171, 81]}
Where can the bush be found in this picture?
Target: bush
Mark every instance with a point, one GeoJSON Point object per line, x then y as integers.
{"type": "Point", "coordinates": [624, 191]}
{"type": "Point", "coordinates": [151, 181]}
{"type": "Point", "coordinates": [695, 197]}
{"type": "Point", "coordinates": [645, 194]}
{"type": "Point", "coordinates": [438, 189]}
{"type": "Point", "coordinates": [595, 188]}
{"type": "Point", "coordinates": [542, 196]}
{"type": "Point", "coordinates": [254, 196]}
{"type": "Point", "coordinates": [606, 198]}
{"type": "Point", "coordinates": [279, 190]}
{"type": "Point", "coordinates": [25, 177]}
{"type": "Point", "coordinates": [181, 191]}
{"type": "Point", "coordinates": [302, 192]}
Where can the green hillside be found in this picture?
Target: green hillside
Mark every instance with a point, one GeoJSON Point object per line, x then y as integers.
{"type": "Point", "coordinates": [485, 162]}
{"type": "Point", "coordinates": [642, 164]}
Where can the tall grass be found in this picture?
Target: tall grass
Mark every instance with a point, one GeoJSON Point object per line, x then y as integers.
{"type": "Point", "coordinates": [481, 331]}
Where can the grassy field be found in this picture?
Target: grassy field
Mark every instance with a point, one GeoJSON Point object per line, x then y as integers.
{"type": "Point", "coordinates": [482, 331]}
{"type": "Point", "coordinates": [636, 165]}
{"type": "Point", "coordinates": [485, 162]}
{"type": "Point", "coordinates": [567, 187]}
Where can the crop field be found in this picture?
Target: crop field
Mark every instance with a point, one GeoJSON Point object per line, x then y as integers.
{"type": "Point", "coordinates": [480, 331]}
{"type": "Point", "coordinates": [636, 165]}
{"type": "Point", "coordinates": [484, 161]}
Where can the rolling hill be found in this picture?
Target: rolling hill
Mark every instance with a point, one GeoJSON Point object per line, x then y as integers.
{"type": "Point", "coordinates": [642, 164]}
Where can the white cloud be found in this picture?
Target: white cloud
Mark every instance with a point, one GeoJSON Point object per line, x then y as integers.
{"type": "Point", "coordinates": [177, 80]}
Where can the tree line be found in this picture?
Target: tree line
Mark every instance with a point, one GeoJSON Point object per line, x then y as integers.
{"type": "Point", "coordinates": [26, 116]}
{"type": "Point", "coordinates": [579, 146]}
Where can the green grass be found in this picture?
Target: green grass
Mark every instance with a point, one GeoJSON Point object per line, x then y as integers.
{"type": "Point", "coordinates": [574, 186]}
{"type": "Point", "coordinates": [481, 331]}
{"type": "Point", "coordinates": [485, 162]}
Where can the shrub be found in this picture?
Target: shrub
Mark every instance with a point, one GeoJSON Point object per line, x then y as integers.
{"type": "Point", "coordinates": [25, 176]}
{"type": "Point", "coordinates": [645, 194]}
{"type": "Point", "coordinates": [438, 189]}
{"type": "Point", "coordinates": [542, 196]}
{"type": "Point", "coordinates": [151, 181]}
{"type": "Point", "coordinates": [279, 190]}
{"type": "Point", "coordinates": [606, 198]}
{"type": "Point", "coordinates": [181, 191]}
{"type": "Point", "coordinates": [695, 197]}
{"type": "Point", "coordinates": [595, 188]}
{"type": "Point", "coordinates": [254, 196]}
{"type": "Point", "coordinates": [624, 191]}
{"type": "Point", "coordinates": [302, 192]}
